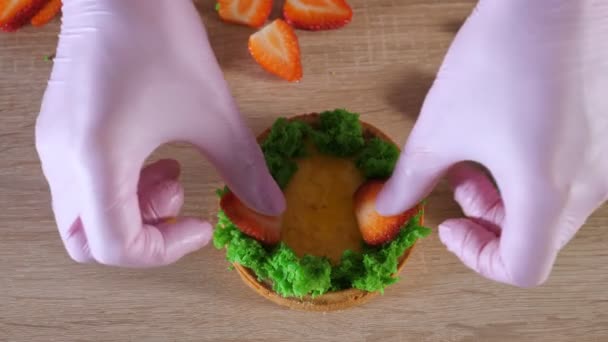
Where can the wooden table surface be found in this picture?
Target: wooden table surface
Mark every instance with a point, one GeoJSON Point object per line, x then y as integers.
{"type": "Point", "coordinates": [381, 66]}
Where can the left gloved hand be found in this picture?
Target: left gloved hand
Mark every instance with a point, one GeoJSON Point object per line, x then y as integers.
{"type": "Point", "coordinates": [129, 76]}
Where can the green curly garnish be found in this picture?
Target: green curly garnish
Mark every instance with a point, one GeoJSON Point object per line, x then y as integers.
{"type": "Point", "coordinates": [378, 158]}
{"type": "Point", "coordinates": [339, 134]}
{"type": "Point", "coordinates": [296, 277]}
{"type": "Point", "coordinates": [371, 270]}
{"type": "Point", "coordinates": [285, 142]}
{"type": "Point", "coordinates": [380, 265]}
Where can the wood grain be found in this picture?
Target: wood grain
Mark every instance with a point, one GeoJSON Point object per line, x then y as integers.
{"type": "Point", "coordinates": [381, 66]}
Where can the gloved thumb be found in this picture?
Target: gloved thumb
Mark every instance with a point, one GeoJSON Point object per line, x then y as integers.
{"type": "Point", "coordinates": [415, 176]}
{"type": "Point", "coordinates": [231, 147]}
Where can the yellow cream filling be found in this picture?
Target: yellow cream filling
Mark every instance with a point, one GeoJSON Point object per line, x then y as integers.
{"type": "Point", "coordinates": [320, 219]}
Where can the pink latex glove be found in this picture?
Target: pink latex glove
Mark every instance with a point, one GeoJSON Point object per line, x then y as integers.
{"type": "Point", "coordinates": [523, 91]}
{"type": "Point", "coordinates": [129, 76]}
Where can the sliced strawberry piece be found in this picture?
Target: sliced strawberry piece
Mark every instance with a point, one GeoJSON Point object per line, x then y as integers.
{"type": "Point", "coordinates": [375, 228]}
{"type": "Point", "coordinates": [317, 14]}
{"type": "Point", "coordinates": [266, 229]}
{"type": "Point", "coordinates": [16, 13]}
{"type": "Point", "coordinates": [276, 49]}
{"type": "Point", "coordinates": [47, 13]}
{"type": "Point", "coordinates": [252, 13]}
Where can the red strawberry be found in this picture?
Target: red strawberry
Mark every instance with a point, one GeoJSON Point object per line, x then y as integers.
{"type": "Point", "coordinates": [317, 14]}
{"type": "Point", "coordinates": [276, 49]}
{"type": "Point", "coordinates": [47, 13]}
{"type": "Point", "coordinates": [252, 13]}
{"type": "Point", "coordinates": [266, 229]}
{"type": "Point", "coordinates": [16, 13]}
{"type": "Point", "coordinates": [375, 228]}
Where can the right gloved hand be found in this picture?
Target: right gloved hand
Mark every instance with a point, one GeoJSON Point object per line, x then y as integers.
{"type": "Point", "coordinates": [523, 91]}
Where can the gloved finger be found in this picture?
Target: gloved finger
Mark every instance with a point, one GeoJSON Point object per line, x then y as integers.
{"type": "Point", "coordinates": [113, 224]}
{"type": "Point", "coordinates": [529, 237]}
{"type": "Point", "coordinates": [231, 147]}
{"type": "Point", "coordinates": [65, 205]}
{"type": "Point", "coordinates": [161, 196]}
{"type": "Point", "coordinates": [161, 202]}
{"type": "Point", "coordinates": [525, 251]}
{"type": "Point", "coordinates": [76, 244]}
{"type": "Point", "coordinates": [66, 212]}
{"type": "Point", "coordinates": [118, 237]}
{"type": "Point", "coordinates": [164, 243]}
{"type": "Point", "coordinates": [157, 172]}
{"type": "Point", "coordinates": [476, 195]}
{"type": "Point", "coordinates": [416, 174]}
{"type": "Point", "coordinates": [476, 246]}
{"type": "Point", "coordinates": [475, 240]}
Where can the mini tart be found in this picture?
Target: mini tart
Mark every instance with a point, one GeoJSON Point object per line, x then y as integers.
{"type": "Point", "coordinates": [332, 300]}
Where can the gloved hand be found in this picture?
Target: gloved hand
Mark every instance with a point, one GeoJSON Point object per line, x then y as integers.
{"type": "Point", "coordinates": [521, 91]}
{"type": "Point", "coordinates": [129, 76]}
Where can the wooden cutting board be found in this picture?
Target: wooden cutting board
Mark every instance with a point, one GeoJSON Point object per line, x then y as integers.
{"type": "Point", "coordinates": [381, 66]}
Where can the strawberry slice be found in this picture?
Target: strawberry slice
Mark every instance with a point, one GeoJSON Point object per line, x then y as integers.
{"type": "Point", "coordinates": [375, 228]}
{"type": "Point", "coordinates": [16, 13]}
{"type": "Point", "coordinates": [266, 229]}
{"type": "Point", "coordinates": [47, 13]}
{"type": "Point", "coordinates": [252, 13]}
{"type": "Point", "coordinates": [276, 48]}
{"type": "Point", "coordinates": [317, 14]}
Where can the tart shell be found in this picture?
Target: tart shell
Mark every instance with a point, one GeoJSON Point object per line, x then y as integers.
{"type": "Point", "coordinates": [330, 301]}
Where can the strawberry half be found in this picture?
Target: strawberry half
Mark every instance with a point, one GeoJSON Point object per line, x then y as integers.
{"type": "Point", "coordinates": [375, 228]}
{"type": "Point", "coordinates": [16, 13]}
{"type": "Point", "coordinates": [266, 229]}
{"type": "Point", "coordinates": [47, 13]}
{"type": "Point", "coordinates": [317, 14]}
{"type": "Point", "coordinates": [252, 13]}
{"type": "Point", "coordinates": [276, 48]}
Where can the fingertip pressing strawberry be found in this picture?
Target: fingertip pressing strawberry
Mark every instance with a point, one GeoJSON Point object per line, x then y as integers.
{"type": "Point", "coordinates": [16, 13]}
{"type": "Point", "coordinates": [253, 13]}
{"type": "Point", "coordinates": [276, 49]}
{"type": "Point", "coordinates": [317, 14]}
{"type": "Point", "coordinates": [375, 228]}
{"type": "Point", "coordinates": [266, 229]}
